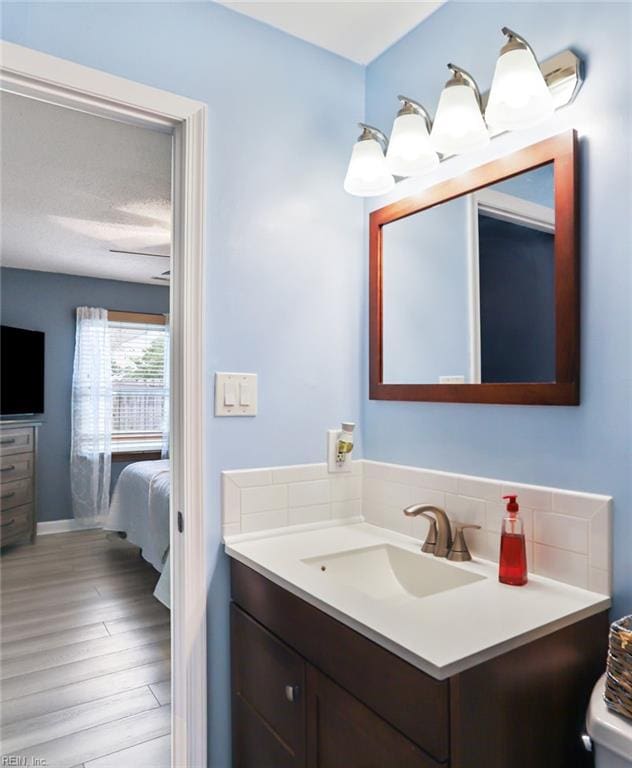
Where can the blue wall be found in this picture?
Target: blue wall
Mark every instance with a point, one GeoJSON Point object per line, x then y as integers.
{"type": "Point", "coordinates": [42, 301]}
{"type": "Point", "coordinates": [587, 447]}
{"type": "Point", "coordinates": [285, 243]}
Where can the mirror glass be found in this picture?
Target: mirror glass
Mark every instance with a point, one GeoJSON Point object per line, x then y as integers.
{"type": "Point", "coordinates": [468, 287]}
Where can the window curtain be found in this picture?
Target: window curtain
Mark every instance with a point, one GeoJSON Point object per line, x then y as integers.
{"type": "Point", "coordinates": [91, 449]}
{"type": "Point", "coordinates": [166, 414]}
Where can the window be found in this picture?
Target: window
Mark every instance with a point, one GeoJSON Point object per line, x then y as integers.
{"type": "Point", "coordinates": [140, 391]}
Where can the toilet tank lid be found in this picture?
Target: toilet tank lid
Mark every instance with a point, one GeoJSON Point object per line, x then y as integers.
{"type": "Point", "coordinates": [605, 727]}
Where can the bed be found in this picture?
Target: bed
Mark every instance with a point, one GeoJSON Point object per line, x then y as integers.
{"type": "Point", "coordinates": [140, 509]}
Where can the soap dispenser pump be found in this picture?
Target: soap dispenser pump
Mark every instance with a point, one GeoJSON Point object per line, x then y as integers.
{"type": "Point", "coordinates": [513, 552]}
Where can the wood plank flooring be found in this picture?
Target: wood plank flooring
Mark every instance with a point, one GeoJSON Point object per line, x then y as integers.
{"type": "Point", "coordinates": [84, 655]}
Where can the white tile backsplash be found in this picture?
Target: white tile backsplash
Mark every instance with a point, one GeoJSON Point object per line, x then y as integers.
{"type": "Point", "coordinates": [308, 493]}
{"type": "Point", "coordinates": [274, 497]}
{"type": "Point", "coordinates": [561, 565]}
{"type": "Point", "coordinates": [568, 533]}
{"type": "Point", "coordinates": [263, 498]}
{"type": "Point", "coordinates": [264, 521]}
{"type": "Point", "coordinates": [345, 487]}
{"type": "Point", "coordinates": [600, 539]}
{"type": "Point", "coordinates": [561, 531]}
{"type": "Point", "coordinates": [314, 514]}
{"type": "Point", "coordinates": [231, 499]}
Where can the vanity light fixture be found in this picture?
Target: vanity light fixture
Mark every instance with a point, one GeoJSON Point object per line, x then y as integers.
{"type": "Point", "coordinates": [459, 126]}
{"type": "Point", "coordinates": [519, 96]}
{"type": "Point", "coordinates": [410, 152]}
{"type": "Point", "coordinates": [368, 173]}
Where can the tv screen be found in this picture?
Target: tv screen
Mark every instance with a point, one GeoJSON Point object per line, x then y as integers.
{"type": "Point", "coordinates": [22, 372]}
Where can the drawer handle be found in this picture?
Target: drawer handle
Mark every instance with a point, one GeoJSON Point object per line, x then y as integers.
{"type": "Point", "coordinates": [9, 495]}
{"type": "Point", "coordinates": [291, 692]}
{"type": "Point", "coordinates": [10, 468]}
{"type": "Point", "coordinates": [7, 441]}
{"type": "Point", "coordinates": [7, 524]}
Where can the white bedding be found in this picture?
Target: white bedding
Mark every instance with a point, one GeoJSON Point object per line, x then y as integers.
{"type": "Point", "coordinates": [140, 508]}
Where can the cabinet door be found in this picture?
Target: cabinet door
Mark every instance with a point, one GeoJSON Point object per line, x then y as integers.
{"type": "Point", "coordinates": [268, 697]}
{"type": "Point", "coordinates": [344, 733]}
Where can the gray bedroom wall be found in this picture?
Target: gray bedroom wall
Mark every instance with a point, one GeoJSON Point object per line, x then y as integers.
{"type": "Point", "coordinates": [43, 301]}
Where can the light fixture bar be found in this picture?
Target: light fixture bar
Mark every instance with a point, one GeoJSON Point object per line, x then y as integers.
{"type": "Point", "coordinates": [563, 75]}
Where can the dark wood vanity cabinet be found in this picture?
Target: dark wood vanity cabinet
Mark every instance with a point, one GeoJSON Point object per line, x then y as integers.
{"type": "Point", "coordinates": [309, 691]}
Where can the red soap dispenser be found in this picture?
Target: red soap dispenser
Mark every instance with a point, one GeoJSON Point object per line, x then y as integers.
{"type": "Point", "coordinates": [513, 553]}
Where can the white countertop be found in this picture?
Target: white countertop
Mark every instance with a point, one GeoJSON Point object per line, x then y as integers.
{"type": "Point", "coordinates": [441, 634]}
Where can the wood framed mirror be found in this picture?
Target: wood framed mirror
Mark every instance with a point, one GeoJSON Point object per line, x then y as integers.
{"type": "Point", "coordinates": [474, 285]}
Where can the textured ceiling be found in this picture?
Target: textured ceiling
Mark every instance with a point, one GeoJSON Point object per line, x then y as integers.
{"type": "Point", "coordinates": [357, 29]}
{"type": "Point", "coordinates": [73, 186]}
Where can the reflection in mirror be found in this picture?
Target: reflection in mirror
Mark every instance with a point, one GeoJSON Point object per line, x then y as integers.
{"type": "Point", "coordinates": [468, 287]}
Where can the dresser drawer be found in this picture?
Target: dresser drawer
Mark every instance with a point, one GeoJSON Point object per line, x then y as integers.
{"type": "Point", "coordinates": [19, 440]}
{"type": "Point", "coordinates": [16, 493]}
{"type": "Point", "coordinates": [16, 467]}
{"type": "Point", "coordinates": [15, 524]}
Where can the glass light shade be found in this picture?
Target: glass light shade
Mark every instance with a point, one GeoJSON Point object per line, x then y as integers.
{"type": "Point", "coordinates": [519, 96]}
{"type": "Point", "coordinates": [368, 173]}
{"type": "Point", "coordinates": [410, 152]}
{"type": "Point", "coordinates": [459, 126]}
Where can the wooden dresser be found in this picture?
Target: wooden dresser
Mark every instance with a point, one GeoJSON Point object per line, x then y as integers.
{"type": "Point", "coordinates": [18, 463]}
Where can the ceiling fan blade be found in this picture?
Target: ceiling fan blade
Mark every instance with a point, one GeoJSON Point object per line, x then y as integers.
{"type": "Point", "coordinates": [141, 253]}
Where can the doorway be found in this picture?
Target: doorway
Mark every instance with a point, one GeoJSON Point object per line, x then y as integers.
{"type": "Point", "coordinates": [39, 76]}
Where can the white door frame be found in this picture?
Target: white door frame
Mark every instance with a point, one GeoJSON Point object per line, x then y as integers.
{"type": "Point", "coordinates": [57, 81]}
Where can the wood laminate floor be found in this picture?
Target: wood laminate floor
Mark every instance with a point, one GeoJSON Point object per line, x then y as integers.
{"type": "Point", "coordinates": [84, 656]}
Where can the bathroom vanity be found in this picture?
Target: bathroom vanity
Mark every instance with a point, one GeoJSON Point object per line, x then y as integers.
{"type": "Point", "coordinates": [326, 676]}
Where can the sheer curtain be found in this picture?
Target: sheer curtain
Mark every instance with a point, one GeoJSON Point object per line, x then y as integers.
{"type": "Point", "coordinates": [91, 450]}
{"type": "Point", "coordinates": [166, 415]}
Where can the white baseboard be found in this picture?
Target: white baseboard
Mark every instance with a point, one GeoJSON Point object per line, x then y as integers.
{"type": "Point", "coordinates": [62, 526]}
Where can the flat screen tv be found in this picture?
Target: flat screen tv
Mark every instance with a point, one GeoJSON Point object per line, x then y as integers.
{"type": "Point", "coordinates": [22, 371]}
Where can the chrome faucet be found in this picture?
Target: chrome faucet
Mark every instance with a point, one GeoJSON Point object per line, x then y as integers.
{"type": "Point", "coordinates": [439, 538]}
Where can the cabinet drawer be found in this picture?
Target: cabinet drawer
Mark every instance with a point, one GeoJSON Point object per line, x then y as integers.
{"type": "Point", "coordinates": [16, 493]}
{"type": "Point", "coordinates": [15, 524]}
{"type": "Point", "coordinates": [16, 467]}
{"type": "Point", "coordinates": [268, 685]}
{"type": "Point", "coordinates": [16, 440]}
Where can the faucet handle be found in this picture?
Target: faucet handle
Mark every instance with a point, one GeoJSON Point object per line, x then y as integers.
{"type": "Point", "coordinates": [459, 551]}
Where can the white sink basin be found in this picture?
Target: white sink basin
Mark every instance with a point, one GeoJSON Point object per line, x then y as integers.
{"type": "Point", "coordinates": [385, 571]}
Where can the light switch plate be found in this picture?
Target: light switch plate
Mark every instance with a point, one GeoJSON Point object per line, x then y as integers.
{"type": "Point", "coordinates": [242, 394]}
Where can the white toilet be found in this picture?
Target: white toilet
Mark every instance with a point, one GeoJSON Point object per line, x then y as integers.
{"type": "Point", "coordinates": [611, 734]}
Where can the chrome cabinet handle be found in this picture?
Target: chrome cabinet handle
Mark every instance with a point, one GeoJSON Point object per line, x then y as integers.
{"type": "Point", "coordinates": [7, 469]}
{"type": "Point", "coordinates": [291, 692]}
{"type": "Point", "coordinates": [7, 441]}
{"type": "Point", "coordinates": [6, 525]}
{"type": "Point", "coordinates": [7, 495]}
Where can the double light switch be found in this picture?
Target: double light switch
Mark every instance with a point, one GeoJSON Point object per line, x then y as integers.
{"type": "Point", "coordinates": [235, 394]}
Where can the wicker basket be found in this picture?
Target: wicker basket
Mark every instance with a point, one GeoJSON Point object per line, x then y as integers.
{"type": "Point", "coordinates": [618, 693]}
